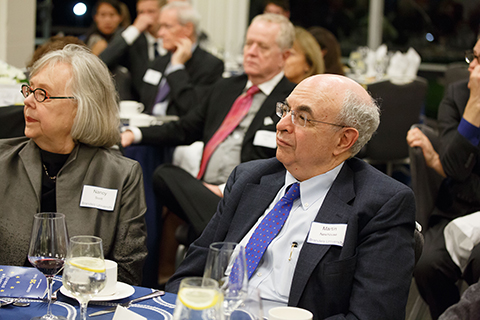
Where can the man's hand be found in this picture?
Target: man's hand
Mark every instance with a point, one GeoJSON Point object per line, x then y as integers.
{"type": "Point", "coordinates": [143, 21]}
{"type": "Point", "coordinates": [215, 189]}
{"type": "Point", "coordinates": [472, 110]}
{"type": "Point", "coordinates": [183, 52]}
{"type": "Point", "coordinates": [416, 138]}
{"type": "Point", "coordinates": [127, 138]}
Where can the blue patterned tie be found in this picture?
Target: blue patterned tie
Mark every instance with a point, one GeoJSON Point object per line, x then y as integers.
{"type": "Point", "coordinates": [268, 229]}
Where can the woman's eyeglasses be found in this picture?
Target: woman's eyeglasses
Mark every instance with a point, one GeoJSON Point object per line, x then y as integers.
{"type": "Point", "coordinates": [39, 94]}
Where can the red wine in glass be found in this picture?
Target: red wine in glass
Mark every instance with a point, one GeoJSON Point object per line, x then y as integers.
{"type": "Point", "coordinates": [47, 266]}
{"type": "Point", "coordinates": [48, 249]}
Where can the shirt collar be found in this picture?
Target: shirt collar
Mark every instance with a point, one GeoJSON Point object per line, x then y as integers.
{"type": "Point", "coordinates": [268, 86]}
{"type": "Point", "coordinates": [151, 40]}
{"type": "Point", "coordinates": [314, 188]}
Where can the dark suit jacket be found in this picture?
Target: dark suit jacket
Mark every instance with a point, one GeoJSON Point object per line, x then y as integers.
{"type": "Point", "coordinates": [368, 278]}
{"type": "Point", "coordinates": [460, 192]}
{"type": "Point", "coordinates": [187, 86]}
{"type": "Point", "coordinates": [203, 121]}
{"type": "Point", "coordinates": [134, 58]}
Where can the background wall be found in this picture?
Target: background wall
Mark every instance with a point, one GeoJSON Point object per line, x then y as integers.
{"type": "Point", "coordinates": [17, 31]}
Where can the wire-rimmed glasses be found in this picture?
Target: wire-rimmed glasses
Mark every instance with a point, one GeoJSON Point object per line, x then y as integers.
{"type": "Point", "coordinates": [470, 56]}
{"type": "Point", "coordinates": [39, 94]}
{"type": "Point", "coordinates": [298, 118]}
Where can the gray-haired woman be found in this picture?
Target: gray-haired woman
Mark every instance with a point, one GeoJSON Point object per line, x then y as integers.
{"type": "Point", "coordinates": [66, 163]}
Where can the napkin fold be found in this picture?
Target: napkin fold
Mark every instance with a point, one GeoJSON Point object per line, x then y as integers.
{"type": "Point", "coordinates": [461, 235]}
{"type": "Point", "coordinates": [123, 313]}
{"type": "Point", "coordinates": [403, 68]}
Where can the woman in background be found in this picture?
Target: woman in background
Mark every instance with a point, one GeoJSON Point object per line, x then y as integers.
{"type": "Point", "coordinates": [330, 49]}
{"type": "Point", "coordinates": [305, 57]}
{"type": "Point", "coordinates": [107, 18]}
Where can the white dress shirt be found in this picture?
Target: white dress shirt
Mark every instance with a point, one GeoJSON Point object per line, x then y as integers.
{"type": "Point", "coordinates": [274, 273]}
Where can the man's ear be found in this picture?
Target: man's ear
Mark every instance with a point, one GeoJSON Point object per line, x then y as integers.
{"type": "Point", "coordinates": [347, 137]}
{"type": "Point", "coordinates": [190, 30]}
{"type": "Point", "coordinates": [286, 53]}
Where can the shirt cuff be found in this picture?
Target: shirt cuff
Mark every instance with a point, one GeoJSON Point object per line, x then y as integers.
{"type": "Point", "coordinates": [130, 35]}
{"type": "Point", "coordinates": [469, 131]}
{"type": "Point", "coordinates": [222, 187]}
{"type": "Point", "coordinates": [137, 134]}
{"type": "Point", "coordinates": [174, 68]}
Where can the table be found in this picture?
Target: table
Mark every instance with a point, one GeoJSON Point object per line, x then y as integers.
{"type": "Point", "coordinates": [156, 308]}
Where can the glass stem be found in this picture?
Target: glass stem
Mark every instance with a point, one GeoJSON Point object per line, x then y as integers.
{"type": "Point", "coordinates": [83, 310]}
{"type": "Point", "coordinates": [49, 295]}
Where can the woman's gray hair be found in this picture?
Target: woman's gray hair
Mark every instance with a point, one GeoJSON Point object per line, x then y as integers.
{"type": "Point", "coordinates": [185, 14]}
{"type": "Point", "coordinates": [97, 120]}
{"type": "Point", "coordinates": [360, 114]}
{"type": "Point", "coordinates": [286, 36]}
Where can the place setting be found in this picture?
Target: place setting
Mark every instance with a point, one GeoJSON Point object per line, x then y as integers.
{"type": "Point", "coordinates": [86, 276]}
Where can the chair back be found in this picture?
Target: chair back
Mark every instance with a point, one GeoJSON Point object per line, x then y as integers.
{"type": "Point", "coordinates": [400, 106]}
{"type": "Point", "coordinates": [425, 180]}
{"type": "Point", "coordinates": [455, 71]}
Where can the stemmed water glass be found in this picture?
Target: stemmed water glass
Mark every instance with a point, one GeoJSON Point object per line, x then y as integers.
{"type": "Point", "coordinates": [198, 298]}
{"type": "Point", "coordinates": [226, 264]}
{"type": "Point", "coordinates": [84, 274]}
{"type": "Point", "coordinates": [250, 309]}
{"type": "Point", "coordinates": [48, 249]}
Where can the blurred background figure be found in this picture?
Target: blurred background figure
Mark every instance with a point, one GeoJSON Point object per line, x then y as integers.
{"type": "Point", "coordinates": [305, 58]}
{"type": "Point", "coordinates": [330, 49]}
{"type": "Point", "coordinates": [278, 7]}
{"type": "Point", "coordinates": [107, 16]}
{"type": "Point", "coordinates": [134, 48]}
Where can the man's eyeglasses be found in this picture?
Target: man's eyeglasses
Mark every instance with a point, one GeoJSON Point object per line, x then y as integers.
{"type": "Point", "coordinates": [39, 94]}
{"type": "Point", "coordinates": [299, 118]}
{"type": "Point", "coordinates": [470, 56]}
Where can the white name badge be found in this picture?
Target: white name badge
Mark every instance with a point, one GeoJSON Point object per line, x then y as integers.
{"type": "Point", "coordinates": [267, 121]}
{"type": "Point", "coordinates": [265, 138]}
{"type": "Point", "coordinates": [98, 198]}
{"type": "Point", "coordinates": [327, 233]}
{"type": "Point", "coordinates": [152, 77]}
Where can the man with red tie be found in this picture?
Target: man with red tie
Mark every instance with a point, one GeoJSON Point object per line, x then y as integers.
{"type": "Point", "coordinates": [322, 230]}
{"type": "Point", "coordinates": [236, 122]}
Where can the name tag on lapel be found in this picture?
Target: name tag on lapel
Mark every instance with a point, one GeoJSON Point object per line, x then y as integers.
{"type": "Point", "coordinates": [152, 77]}
{"type": "Point", "coordinates": [265, 138]}
{"type": "Point", "coordinates": [98, 198]}
{"type": "Point", "coordinates": [327, 233]}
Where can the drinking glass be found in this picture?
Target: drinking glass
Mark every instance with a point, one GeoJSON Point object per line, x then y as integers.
{"type": "Point", "coordinates": [198, 298]}
{"type": "Point", "coordinates": [84, 274]}
{"type": "Point", "coordinates": [48, 249]}
{"type": "Point", "coordinates": [250, 308]}
{"type": "Point", "coordinates": [226, 264]}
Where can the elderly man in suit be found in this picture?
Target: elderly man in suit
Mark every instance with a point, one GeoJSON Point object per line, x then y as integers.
{"type": "Point", "coordinates": [246, 101]}
{"type": "Point", "coordinates": [345, 249]}
{"type": "Point", "coordinates": [176, 82]}
{"type": "Point", "coordinates": [137, 45]}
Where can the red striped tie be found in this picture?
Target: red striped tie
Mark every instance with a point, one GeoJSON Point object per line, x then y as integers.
{"type": "Point", "coordinates": [239, 109]}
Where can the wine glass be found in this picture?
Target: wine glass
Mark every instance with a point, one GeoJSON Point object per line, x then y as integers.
{"type": "Point", "coordinates": [226, 264]}
{"type": "Point", "coordinates": [198, 298]}
{"type": "Point", "coordinates": [84, 274]}
{"type": "Point", "coordinates": [48, 249]}
{"type": "Point", "coordinates": [250, 308]}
